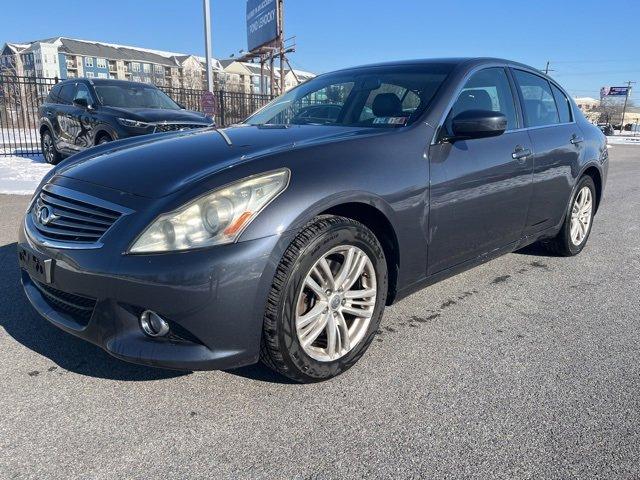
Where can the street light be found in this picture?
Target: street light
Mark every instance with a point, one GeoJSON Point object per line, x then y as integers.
{"type": "Point", "coordinates": [207, 43]}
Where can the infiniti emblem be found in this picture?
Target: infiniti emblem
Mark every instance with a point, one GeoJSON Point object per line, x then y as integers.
{"type": "Point", "coordinates": [45, 216]}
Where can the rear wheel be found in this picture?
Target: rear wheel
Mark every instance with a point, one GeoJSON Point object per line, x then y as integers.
{"type": "Point", "coordinates": [326, 300]}
{"type": "Point", "coordinates": [49, 151]}
{"type": "Point", "coordinates": [575, 231]}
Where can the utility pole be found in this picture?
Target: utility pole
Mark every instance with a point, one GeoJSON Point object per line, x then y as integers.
{"type": "Point", "coordinates": [624, 108]}
{"type": "Point", "coordinates": [207, 43]}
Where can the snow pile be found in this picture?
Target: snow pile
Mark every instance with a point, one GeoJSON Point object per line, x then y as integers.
{"type": "Point", "coordinates": [21, 175]}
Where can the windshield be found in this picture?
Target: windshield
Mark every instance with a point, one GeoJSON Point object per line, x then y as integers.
{"type": "Point", "coordinates": [386, 97]}
{"type": "Point", "coordinates": [134, 96]}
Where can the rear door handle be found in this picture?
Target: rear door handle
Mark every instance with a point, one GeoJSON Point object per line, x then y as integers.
{"type": "Point", "coordinates": [520, 153]}
{"type": "Point", "coordinates": [575, 140]}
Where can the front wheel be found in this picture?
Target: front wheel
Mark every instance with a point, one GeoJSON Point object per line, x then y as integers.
{"type": "Point", "coordinates": [49, 151]}
{"type": "Point", "coordinates": [575, 231]}
{"type": "Point", "coordinates": [326, 300]}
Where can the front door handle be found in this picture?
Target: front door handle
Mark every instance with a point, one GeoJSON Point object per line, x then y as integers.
{"type": "Point", "coordinates": [575, 139]}
{"type": "Point", "coordinates": [520, 153]}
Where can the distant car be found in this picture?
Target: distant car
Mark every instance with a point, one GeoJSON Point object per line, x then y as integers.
{"type": "Point", "coordinates": [606, 128]}
{"type": "Point", "coordinates": [284, 242]}
{"type": "Point", "coordinates": [80, 113]}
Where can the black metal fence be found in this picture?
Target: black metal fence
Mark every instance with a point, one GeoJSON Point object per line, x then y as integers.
{"type": "Point", "coordinates": [20, 98]}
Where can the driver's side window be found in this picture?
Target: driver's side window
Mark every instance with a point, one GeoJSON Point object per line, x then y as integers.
{"type": "Point", "coordinates": [82, 92]}
{"type": "Point", "coordinates": [487, 89]}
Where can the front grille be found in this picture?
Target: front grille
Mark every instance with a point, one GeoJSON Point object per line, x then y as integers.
{"type": "Point", "coordinates": [172, 127]}
{"type": "Point", "coordinates": [60, 216]}
{"type": "Point", "coordinates": [79, 307]}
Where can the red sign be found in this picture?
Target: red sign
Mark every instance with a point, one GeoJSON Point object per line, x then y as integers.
{"type": "Point", "coordinates": [208, 102]}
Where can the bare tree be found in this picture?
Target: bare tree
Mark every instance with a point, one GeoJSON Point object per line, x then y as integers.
{"type": "Point", "coordinates": [610, 109]}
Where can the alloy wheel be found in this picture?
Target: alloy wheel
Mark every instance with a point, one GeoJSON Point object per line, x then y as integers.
{"type": "Point", "coordinates": [581, 215]}
{"type": "Point", "coordinates": [47, 147]}
{"type": "Point", "coordinates": [336, 303]}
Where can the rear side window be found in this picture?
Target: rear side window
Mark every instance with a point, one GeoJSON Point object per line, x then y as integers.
{"type": "Point", "coordinates": [53, 94]}
{"type": "Point", "coordinates": [562, 102]}
{"type": "Point", "coordinates": [539, 105]}
{"type": "Point", "coordinates": [66, 93]}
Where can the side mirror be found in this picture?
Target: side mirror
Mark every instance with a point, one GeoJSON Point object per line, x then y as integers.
{"type": "Point", "coordinates": [81, 102]}
{"type": "Point", "coordinates": [477, 124]}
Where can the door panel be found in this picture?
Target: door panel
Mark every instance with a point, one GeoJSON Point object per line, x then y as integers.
{"type": "Point", "coordinates": [557, 144]}
{"type": "Point", "coordinates": [479, 197]}
{"type": "Point", "coordinates": [481, 188]}
{"type": "Point", "coordinates": [554, 160]}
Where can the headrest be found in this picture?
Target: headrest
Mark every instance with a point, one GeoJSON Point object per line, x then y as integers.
{"type": "Point", "coordinates": [387, 105]}
{"type": "Point", "coordinates": [476, 99]}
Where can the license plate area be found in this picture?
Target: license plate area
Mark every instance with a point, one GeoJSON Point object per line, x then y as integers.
{"type": "Point", "coordinates": [38, 266]}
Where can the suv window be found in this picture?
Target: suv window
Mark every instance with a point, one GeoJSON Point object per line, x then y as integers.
{"type": "Point", "coordinates": [562, 102]}
{"type": "Point", "coordinates": [53, 94]}
{"type": "Point", "coordinates": [539, 105]}
{"type": "Point", "coordinates": [487, 89]}
{"type": "Point", "coordinates": [66, 93]}
{"type": "Point", "coordinates": [83, 92]}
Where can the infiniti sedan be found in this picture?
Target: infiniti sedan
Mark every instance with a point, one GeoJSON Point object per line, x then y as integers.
{"type": "Point", "coordinates": [283, 238]}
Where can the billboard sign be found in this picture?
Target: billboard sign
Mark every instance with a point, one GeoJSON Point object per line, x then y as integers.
{"type": "Point", "coordinates": [614, 91]}
{"type": "Point", "coordinates": [262, 22]}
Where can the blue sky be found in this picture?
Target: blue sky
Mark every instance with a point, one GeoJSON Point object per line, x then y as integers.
{"type": "Point", "coordinates": [590, 43]}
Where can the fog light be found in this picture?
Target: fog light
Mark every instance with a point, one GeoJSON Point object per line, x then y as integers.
{"type": "Point", "coordinates": [153, 324]}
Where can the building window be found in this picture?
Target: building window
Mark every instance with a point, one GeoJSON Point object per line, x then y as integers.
{"type": "Point", "coordinates": [88, 61]}
{"type": "Point", "coordinates": [135, 66]}
{"type": "Point", "coordinates": [89, 74]}
{"type": "Point", "coordinates": [102, 75]}
{"type": "Point", "coordinates": [159, 69]}
{"type": "Point", "coordinates": [146, 68]}
{"type": "Point", "coordinates": [101, 63]}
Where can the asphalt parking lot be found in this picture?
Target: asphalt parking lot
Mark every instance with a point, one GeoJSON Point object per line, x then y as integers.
{"type": "Point", "coordinates": [526, 367]}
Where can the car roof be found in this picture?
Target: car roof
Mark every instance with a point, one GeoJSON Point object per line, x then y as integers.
{"type": "Point", "coordinates": [453, 61]}
{"type": "Point", "coordinates": [105, 81]}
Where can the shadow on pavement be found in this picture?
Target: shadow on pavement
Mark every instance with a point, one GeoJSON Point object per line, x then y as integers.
{"type": "Point", "coordinates": [21, 322]}
{"type": "Point", "coordinates": [535, 250]}
{"type": "Point", "coordinates": [261, 373]}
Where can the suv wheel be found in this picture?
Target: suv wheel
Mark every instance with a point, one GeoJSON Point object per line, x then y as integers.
{"type": "Point", "coordinates": [49, 151]}
{"type": "Point", "coordinates": [326, 300]}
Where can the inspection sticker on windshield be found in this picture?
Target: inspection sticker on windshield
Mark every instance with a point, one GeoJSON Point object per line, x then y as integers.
{"type": "Point", "coordinates": [390, 120]}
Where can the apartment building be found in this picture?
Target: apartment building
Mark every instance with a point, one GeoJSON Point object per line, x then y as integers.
{"type": "Point", "coordinates": [69, 58]}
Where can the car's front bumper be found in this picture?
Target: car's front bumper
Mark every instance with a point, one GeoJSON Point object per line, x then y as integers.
{"type": "Point", "coordinates": [213, 298]}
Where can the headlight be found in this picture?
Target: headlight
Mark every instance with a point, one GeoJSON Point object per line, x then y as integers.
{"type": "Point", "coordinates": [133, 123]}
{"type": "Point", "coordinates": [216, 218]}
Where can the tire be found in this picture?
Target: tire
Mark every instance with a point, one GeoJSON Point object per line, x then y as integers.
{"type": "Point", "coordinates": [335, 239]}
{"type": "Point", "coordinates": [49, 151]}
{"type": "Point", "coordinates": [104, 138]}
{"type": "Point", "coordinates": [564, 243]}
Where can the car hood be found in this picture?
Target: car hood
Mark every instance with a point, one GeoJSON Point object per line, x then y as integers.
{"type": "Point", "coordinates": [157, 114]}
{"type": "Point", "coordinates": [154, 166]}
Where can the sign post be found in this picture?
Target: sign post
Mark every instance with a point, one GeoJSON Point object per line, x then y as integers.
{"type": "Point", "coordinates": [208, 103]}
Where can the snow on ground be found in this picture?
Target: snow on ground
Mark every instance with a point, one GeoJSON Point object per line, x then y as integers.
{"type": "Point", "coordinates": [21, 175]}
{"type": "Point", "coordinates": [623, 140]}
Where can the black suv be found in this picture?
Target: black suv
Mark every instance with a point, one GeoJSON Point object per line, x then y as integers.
{"type": "Point", "coordinates": [80, 113]}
